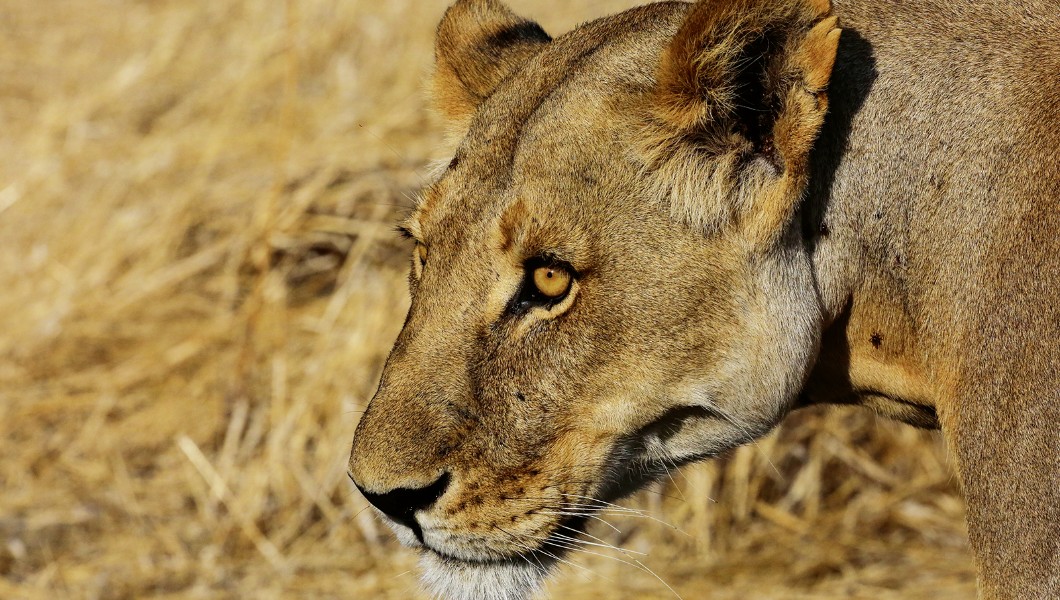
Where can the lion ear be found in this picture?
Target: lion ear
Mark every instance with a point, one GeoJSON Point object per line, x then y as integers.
{"type": "Point", "coordinates": [479, 44]}
{"type": "Point", "coordinates": [745, 81]}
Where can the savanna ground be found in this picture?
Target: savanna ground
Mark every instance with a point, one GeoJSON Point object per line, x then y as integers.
{"type": "Point", "coordinates": [200, 282]}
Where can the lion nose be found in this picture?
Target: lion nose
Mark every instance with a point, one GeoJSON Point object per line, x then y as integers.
{"type": "Point", "coordinates": [401, 504]}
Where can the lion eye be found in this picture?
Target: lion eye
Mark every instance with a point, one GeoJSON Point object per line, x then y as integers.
{"type": "Point", "coordinates": [551, 282]}
{"type": "Point", "coordinates": [547, 283]}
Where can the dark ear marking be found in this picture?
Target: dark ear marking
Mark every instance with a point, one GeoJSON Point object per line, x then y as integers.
{"type": "Point", "coordinates": [526, 32]}
{"type": "Point", "coordinates": [755, 103]}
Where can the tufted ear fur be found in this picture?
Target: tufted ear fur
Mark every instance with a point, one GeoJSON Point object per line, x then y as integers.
{"type": "Point", "coordinates": [738, 102]}
{"type": "Point", "coordinates": [479, 44]}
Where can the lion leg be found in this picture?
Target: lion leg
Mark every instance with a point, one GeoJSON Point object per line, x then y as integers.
{"type": "Point", "coordinates": [1013, 512]}
{"type": "Point", "coordinates": [1004, 432]}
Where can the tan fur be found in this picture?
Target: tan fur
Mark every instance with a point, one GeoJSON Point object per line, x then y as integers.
{"type": "Point", "coordinates": [764, 205]}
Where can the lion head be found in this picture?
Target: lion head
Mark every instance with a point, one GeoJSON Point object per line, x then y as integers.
{"type": "Point", "coordinates": [608, 280]}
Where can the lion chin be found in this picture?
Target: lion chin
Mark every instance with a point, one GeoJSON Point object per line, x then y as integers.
{"type": "Point", "coordinates": [456, 580]}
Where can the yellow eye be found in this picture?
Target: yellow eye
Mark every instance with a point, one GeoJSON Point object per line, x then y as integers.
{"type": "Point", "coordinates": [421, 254]}
{"type": "Point", "coordinates": [551, 282]}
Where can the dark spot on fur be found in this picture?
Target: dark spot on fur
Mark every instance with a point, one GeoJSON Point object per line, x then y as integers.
{"type": "Point", "coordinates": [455, 162]}
{"type": "Point", "coordinates": [514, 518]}
{"type": "Point", "coordinates": [520, 397]}
{"type": "Point", "coordinates": [879, 214]}
{"type": "Point", "coordinates": [520, 491]}
{"type": "Point", "coordinates": [876, 339]}
{"type": "Point", "coordinates": [823, 229]}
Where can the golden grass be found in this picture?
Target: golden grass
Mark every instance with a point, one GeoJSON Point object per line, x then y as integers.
{"type": "Point", "coordinates": [200, 284]}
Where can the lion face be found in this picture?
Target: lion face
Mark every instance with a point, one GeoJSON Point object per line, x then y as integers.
{"type": "Point", "coordinates": [579, 326]}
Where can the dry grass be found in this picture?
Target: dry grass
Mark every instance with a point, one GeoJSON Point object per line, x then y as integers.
{"type": "Point", "coordinates": [200, 284]}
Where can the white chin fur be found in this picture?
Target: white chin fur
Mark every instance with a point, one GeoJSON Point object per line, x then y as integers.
{"type": "Point", "coordinates": [446, 580]}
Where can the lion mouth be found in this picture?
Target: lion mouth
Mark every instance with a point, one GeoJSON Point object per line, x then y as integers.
{"type": "Point", "coordinates": [545, 555]}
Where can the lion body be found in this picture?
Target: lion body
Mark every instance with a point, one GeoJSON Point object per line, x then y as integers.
{"type": "Point", "coordinates": [943, 257]}
{"type": "Point", "coordinates": [883, 232]}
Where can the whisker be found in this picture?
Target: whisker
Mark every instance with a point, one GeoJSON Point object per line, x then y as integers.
{"type": "Point", "coordinates": [516, 541]}
{"type": "Point", "coordinates": [674, 468]}
{"type": "Point", "coordinates": [644, 515]}
{"type": "Point", "coordinates": [635, 563]}
{"type": "Point", "coordinates": [604, 509]}
{"type": "Point", "coordinates": [589, 535]}
{"type": "Point", "coordinates": [574, 547]}
{"type": "Point", "coordinates": [751, 439]}
{"type": "Point", "coordinates": [661, 580]}
{"type": "Point", "coordinates": [598, 544]}
{"type": "Point", "coordinates": [604, 502]}
{"type": "Point", "coordinates": [576, 509]}
{"type": "Point", "coordinates": [580, 514]}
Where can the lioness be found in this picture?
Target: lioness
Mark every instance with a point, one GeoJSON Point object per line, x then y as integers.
{"type": "Point", "coordinates": [666, 229]}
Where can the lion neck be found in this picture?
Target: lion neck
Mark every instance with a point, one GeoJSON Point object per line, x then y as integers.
{"type": "Point", "coordinates": [875, 347]}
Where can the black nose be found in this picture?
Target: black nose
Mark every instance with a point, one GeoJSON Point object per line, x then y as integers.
{"type": "Point", "coordinates": [401, 504]}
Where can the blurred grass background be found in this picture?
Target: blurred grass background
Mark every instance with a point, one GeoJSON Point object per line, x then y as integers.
{"type": "Point", "coordinates": [200, 282]}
